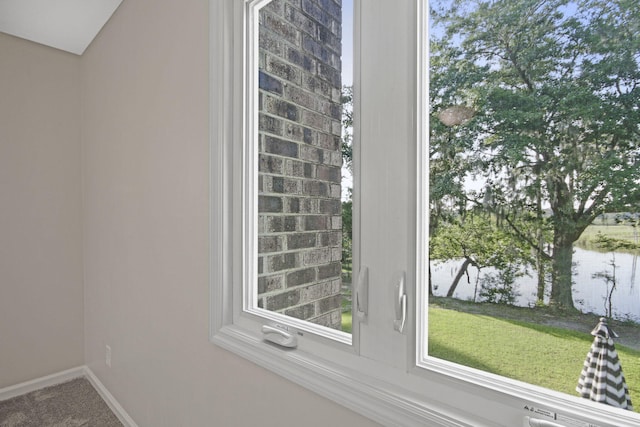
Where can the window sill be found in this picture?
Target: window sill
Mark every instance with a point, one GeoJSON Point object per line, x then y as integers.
{"type": "Point", "coordinates": [394, 398]}
{"type": "Point", "coordinates": [372, 397]}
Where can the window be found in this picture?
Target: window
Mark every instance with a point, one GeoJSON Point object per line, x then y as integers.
{"type": "Point", "coordinates": [383, 369]}
{"type": "Point", "coordinates": [533, 177]}
{"type": "Point", "coordinates": [299, 218]}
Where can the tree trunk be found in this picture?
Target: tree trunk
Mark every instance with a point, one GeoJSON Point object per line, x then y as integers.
{"type": "Point", "coordinates": [561, 266]}
{"type": "Point", "coordinates": [565, 232]}
{"type": "Point", "coordinates": [456, 280]}
{"type": "Point", "coordinates": [540, 262]}
{"type": "Point", "coordinates": [540, 267]}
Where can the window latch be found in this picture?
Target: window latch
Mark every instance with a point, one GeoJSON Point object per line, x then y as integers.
{"type": "Point", "coordinates": [280, 336]}
{"type": "Point", "coordinates": [362, 294]}
{"type": "Point", "coordinates": [401, 304]}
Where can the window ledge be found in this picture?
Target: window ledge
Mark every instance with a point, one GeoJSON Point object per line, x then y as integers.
{"type": "Point", "coordinates": [371, 397]}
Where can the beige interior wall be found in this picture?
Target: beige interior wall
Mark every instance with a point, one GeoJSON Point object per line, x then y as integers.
{"type": "Point", "coordinates": [146, 206]}
{"type": "Point", "coordinates": [41, 293]}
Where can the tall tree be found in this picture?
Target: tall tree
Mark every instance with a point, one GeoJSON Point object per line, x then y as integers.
{"type": "Point", "coordinates": [559, 108]}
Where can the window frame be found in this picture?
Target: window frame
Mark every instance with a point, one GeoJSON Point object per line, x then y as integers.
{"type": "Point", "coordinates": [250, 175]}
{"type": "Point", "coordinates": [424, 392]}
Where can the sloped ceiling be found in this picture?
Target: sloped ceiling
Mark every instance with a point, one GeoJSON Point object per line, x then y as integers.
{"type": "Point", "coordinates": [68, 25]}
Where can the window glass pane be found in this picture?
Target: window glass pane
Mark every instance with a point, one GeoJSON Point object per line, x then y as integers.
{"type": "Point", "coordinates": [303, 200]}
{"type": "Point", "coordinates": [534, 186]}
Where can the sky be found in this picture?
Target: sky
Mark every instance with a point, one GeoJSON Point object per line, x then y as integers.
{"type": "Point", "coordinates": [347, 42]}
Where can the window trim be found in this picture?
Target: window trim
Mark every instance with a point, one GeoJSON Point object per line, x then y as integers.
{"type": "Point", "coordinates": [250, 159]}
{"type": "Point", "coordinates": [388, 395]}
{"type": "Point", "coordinates": [346, 384]}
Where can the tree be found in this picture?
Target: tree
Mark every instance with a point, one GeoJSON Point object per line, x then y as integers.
{"type": "Point", "coordinates": [480, 244]}
{"type": "Point", "coordinates": [346, 147]}
{"type": "Point", "coordinates": [499, 288]}
{"type": "Point", "coordinates": [346, 144]}
{"type": "Point", "coordinates": [347, 235]}
{"type": "Point", "coordinates": [451, 138]}
{"type": "Point", "coordinates": [449, 141]}
{"type": "Point", "coordinates": [558, 108]}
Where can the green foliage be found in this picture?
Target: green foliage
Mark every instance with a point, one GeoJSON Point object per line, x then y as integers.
{"type": "Point", "coordinates": [346, 145]}
{"type": "Point", "coordinates": [347, 157]}
{"type": "Point", "coordinates": [556, 88]}
{"type": "Point", "coordinates": [477, 237]}
{"type": "Point", "coordinates": [347, 235]}
{"type": "Point", "coordinates": [500, 288]}
{"type": "Point", "coordinates": [479, 241]}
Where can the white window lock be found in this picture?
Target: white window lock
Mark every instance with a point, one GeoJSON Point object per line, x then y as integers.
{"type": "Point", "coordinates": [280, 336]}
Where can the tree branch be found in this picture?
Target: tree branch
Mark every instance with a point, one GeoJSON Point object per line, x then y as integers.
{"type": "Point", "coordinates": [527, 239]}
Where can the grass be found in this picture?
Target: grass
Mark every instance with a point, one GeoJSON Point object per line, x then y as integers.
{"type": "Point", "coordinates": [546, 356]}
{"type": "Point", "coordinates": [347, 322]}
{"type": "Point", "coordinates": [542, 355]}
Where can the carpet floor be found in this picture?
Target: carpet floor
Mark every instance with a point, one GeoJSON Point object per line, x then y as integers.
{"type": "Point", "coordinates": [72, 404]}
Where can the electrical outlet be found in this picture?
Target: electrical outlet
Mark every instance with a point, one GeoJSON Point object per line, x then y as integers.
{"type": "Point", "coordinates": [107, 356]}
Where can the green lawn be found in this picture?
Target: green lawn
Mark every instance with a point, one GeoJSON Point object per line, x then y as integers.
{"type": "Point", "coordinates": [541, 355]}
{"type": "Point", "coordinates": [346, 321]}
{"type": "Point", "coordinates": [346, 299]}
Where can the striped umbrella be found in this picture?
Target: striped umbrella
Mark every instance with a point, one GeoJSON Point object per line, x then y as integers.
{"type": "Point", "coordinates": [602, 379]}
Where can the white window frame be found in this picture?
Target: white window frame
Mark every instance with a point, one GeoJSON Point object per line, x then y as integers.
{"type": "Point", "coordinates": [250, 175]}
{"type": "Point", "coordinates": [422, 391]}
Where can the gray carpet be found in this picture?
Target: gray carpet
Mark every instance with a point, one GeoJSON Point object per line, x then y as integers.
{"type": "Point", "coordinates": [72, 404]}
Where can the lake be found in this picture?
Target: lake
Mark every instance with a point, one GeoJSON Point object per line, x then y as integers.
{"type": "Point", "coordinates": [588, 293]}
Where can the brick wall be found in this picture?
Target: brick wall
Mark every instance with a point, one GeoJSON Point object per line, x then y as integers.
{"type": "Point", "coordinates": [299, 221]}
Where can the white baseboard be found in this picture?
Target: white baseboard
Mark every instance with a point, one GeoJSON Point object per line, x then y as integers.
{"type": "Point", "coordinates": [111, 401]}
{"type": "Point", "coordinates": [38, 383]}
{"type": "Point", "coordinates": [68, 375]}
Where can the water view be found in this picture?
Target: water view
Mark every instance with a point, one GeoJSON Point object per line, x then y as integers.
{"type": "Point", "coordinates": [589, 292]}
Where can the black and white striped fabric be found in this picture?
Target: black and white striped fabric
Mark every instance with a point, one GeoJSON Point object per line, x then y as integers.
{"type": "Point", "coordinates": [602, 379]}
